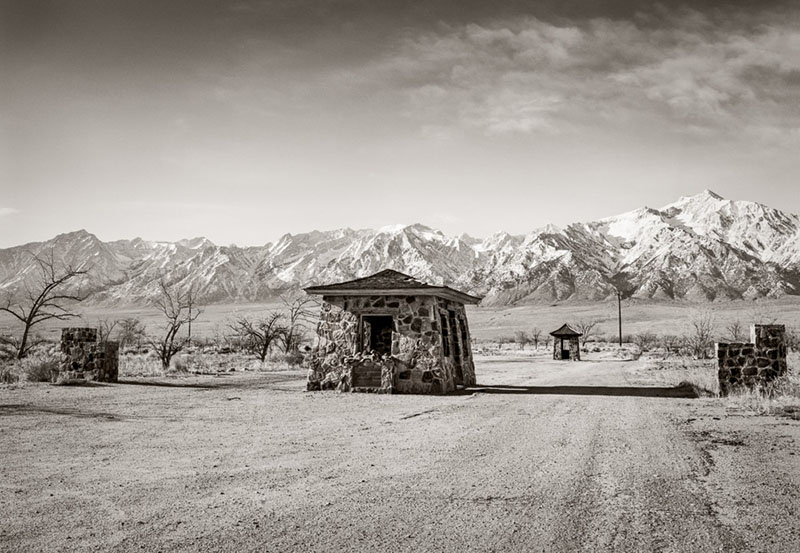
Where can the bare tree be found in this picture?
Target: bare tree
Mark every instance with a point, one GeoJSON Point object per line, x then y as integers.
{"type": "Point", "coordinates": [104, 329]}
{"type": "Point", "coordinates": [586, 328]}
{"type": "Point", "coordinates": [299, 312]}
{"type": "Point", "coordinates": [521, 338]}
{"type": "Point", "coordinates": [735, 332]}
{"type": "Point", "coordinates": [536, 336]}
{"type": "Point", "coordinates": [257, 336]}
{"type": "Point", "coordinates": [46, 300]}
{"type": "Point", "coordinates": [699, 340]}
{"type": "Point", "coordinates": [131, 331]}
{"type": "Point", "coordinates": [178, 308]}
{"type": "Point", "coordinates": [191, 299]}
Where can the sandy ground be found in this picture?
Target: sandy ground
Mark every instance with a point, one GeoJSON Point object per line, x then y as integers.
{"type": "Point", "coordinates": [543, 456]}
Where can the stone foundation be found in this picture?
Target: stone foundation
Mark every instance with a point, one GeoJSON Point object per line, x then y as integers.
{"type": "Point", "coordinates": [755, 363]}
{"type": "Point", "coordinates": [84, 358]}
{"type": "Point", "coordinates": [430, 346]}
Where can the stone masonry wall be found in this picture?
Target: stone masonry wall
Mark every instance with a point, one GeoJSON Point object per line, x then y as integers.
{"type": "Point", "coordinates": [84, 358]}
{"type": "Point", "coordinates": [755, 363]}
{"type": "Point", "coordinates": [459, 332]}
{"type": "Point", "coordinates": [416, 363]}
{"type": "Point", "coordinates": [574, 345]}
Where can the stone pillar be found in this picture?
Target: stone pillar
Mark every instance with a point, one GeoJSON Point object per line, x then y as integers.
{"type": "Point", "coordinates": [755, 363]}
{"type": "Point", "coordinates": [84, 358]}
{"type": "Point", "coordinates": [770, 342]}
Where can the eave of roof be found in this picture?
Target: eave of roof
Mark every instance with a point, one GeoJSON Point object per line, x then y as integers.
{"type": "Point", "coordinates": [566, 330]}
{"type": "Point", "coordinates": [439, 291]}
{"type": "Point", "coordinates": [391, 283]}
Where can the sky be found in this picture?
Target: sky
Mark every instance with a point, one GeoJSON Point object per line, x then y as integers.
{"type": "Point", "coordinates": [244, 120]}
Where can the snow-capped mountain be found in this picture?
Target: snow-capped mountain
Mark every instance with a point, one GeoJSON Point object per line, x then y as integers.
{"type": "Point", "coordinates": [701, 247]}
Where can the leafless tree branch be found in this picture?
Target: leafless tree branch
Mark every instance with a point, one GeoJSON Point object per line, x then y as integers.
{"type": "Point", "coordinates": [258, 335]}
{"type": "Point", "coordinates": [587, 328]}
{"type": "Point", "coordinates": [46, 301]}
{"type": "Point", "coordinates": [177, 308]}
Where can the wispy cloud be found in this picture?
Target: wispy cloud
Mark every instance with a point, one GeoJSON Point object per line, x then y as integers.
{"type": "Point", "coordinates": [691, 70]}
{"type": "Point", "coordinates": [7, 211]}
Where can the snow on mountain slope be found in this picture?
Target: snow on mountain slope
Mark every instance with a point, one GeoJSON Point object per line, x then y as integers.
{"type": "Point", "coordinates": [700, 247]}
{"type": "Point", "coordinates": [751, 227]}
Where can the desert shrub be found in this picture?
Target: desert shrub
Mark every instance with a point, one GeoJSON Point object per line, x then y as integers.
{"type": "Point", "coordinates": [628, 353]}
{"type": "Point", "coordinates": [670, 343]}
{"type": "Point", "coordinates": [39, 366]}
{"type": "Point", "coordinates": [204, 363]}
{"type": "Point", "coordinates": [202, 342]}
{"type": "Point", "coordinates": [136, 364]}
{"type": "Point", "coordinates": [8, 373]}
{"type": "Point", "coordinates": [8, 348]}
{"type": "Point", "coordinates": [781, 396]}
{"type": "Point", "coordinates": [645, 340]}
{"type": "Point", "coordinates": [293, 359]}
{"type": "Point", "coordinates": [179, 364]}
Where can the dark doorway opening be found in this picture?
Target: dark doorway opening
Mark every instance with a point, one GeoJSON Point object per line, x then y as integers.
{"type": "Point", "coordinates": [564, 349]}
{"type": "Point", "coordinates": [456, 342]}
{"type": "Point", "coordinates": [378, 333]}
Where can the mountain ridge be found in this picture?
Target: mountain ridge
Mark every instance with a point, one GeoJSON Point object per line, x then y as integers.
{"type": "Point", "coordinates": [700, 248]}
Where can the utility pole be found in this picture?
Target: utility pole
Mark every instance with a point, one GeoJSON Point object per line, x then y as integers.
{"type": "Point", "coordinates": [190, 302]}
{"type": "Point", "coordinates": [619, 315]}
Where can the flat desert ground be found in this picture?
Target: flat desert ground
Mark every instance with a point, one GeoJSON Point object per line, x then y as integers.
{"type": "Point", "coordinates": [487, 323]}
{"type": "Point", "coordinates": [598, 455]}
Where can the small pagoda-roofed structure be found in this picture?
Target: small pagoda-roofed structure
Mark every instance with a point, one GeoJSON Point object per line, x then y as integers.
{"type": "Point", "coordinates": [566, 344]}
{"type": "Point", "coordinates": [390, 332]}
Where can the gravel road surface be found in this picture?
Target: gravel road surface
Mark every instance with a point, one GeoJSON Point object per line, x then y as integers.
{"type": "Point", "coordinates": [554, 459]}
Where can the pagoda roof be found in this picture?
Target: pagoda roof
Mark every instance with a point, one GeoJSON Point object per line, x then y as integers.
{"type": "Point", "coordinates": [566, 330]}
{"type": "Point", "coordinates": [394, 283]}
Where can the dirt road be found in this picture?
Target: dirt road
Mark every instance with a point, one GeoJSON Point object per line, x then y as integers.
{"type": "Point", "coordinates": [252, 463]}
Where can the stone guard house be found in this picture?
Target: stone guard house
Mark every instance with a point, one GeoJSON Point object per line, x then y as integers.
{"type": "Point", "coordinates": [566, 344]}
{"type": "Point", "coordinates": [390, 333]}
